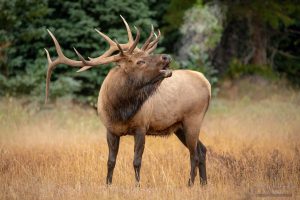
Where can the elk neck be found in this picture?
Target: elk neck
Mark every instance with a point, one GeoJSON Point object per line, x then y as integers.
{"type": "Point", "coordinates": [124, 95]}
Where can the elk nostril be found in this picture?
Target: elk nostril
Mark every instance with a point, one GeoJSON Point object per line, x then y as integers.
{"type": "Point", "coordinates": [165, 58]}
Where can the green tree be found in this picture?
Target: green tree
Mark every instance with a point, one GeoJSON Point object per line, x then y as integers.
{"type": "Point", "coordinates": [262, 17]}
{"type": "Point", "coordinates": [22, 31]}
{"type": "Point", "coordinates": [173, 18]}
{"type": "Point", "coordinates": [285, 51]}
{"type": "Point", "coordinates": [255, 36]}
{"type": "Point", "coordinates": [201, 32]}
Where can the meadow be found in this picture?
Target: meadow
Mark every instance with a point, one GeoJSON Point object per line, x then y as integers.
{"type": "Point", "coordinates": [59, 151]}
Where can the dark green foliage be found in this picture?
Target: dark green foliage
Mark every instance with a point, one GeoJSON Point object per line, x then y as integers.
{"type": "Point", "coordinates": [237, 70]}
{"type": "Point", "coordinates": [173, 20]}
{"type": "Point", "coordinates": [285, 49]}
{"type": "Point", "coordinates": [287, 54]}
{"type": "Point", "coordinates": [22, 29]}
{"type": "Point", "coordinates": [273, 12]}
{"type": "Point", "coordinates": [257, 35]}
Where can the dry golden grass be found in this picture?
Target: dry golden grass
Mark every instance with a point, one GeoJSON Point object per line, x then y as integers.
{"type": "Point", "coordinates": [60, 153]}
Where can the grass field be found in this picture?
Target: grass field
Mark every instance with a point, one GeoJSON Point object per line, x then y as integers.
{"type": "Point", "coordinates": [253, 142]}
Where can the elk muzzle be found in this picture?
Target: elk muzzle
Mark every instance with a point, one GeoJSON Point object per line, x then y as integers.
{"type": "Point", "coordinates": [165, 71]}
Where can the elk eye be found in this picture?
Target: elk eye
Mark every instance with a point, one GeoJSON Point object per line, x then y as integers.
{"type": "Point", "coordinates": [140, 62]}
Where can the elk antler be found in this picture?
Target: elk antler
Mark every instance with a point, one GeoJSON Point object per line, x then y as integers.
{"type": "Point", "coordinates": [144, 47]}
{"type": "Point", "coordinates": [62, 59]}
{"type": "Point", "coordinates": [114, 46]}
{"type": "Point", "coordinates": [105, 58]}
{"type": "Point", "coordinates": [84, 65]}
{"type": "Point", "coordinates": [152, 46]}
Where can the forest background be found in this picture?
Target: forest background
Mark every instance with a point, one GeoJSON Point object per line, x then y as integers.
{"type": "Point", "coordinates": [226, 40]}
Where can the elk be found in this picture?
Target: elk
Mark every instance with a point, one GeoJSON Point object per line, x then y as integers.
{"type": "Point", "coordinates": [141, 96]}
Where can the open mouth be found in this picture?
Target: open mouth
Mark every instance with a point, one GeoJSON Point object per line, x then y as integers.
{"type": "Point", "coordinates": [166, 66]}
{"type": "Point", "coordinates": [166, 71]}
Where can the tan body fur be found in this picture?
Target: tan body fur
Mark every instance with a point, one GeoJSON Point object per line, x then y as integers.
{"type": "Point", "coordinates": [179, 100]}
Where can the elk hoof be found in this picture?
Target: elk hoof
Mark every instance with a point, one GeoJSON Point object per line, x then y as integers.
{"type": "Point", "coordinates": [203, 182]}
{"type": "Point", "coordinates": [190, 183]}
{"type": "Point", "coordinates": [137, 184]}
{"type": "Point", "coordinates": [108, 185]}
{"type": "Point", "coordinates": [108, 182]}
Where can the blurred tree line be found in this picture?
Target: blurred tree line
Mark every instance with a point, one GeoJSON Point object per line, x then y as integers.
{"type": "Point", "coordinates": [220, 38]}
{"type": "Point", "coordinates": [260, 37]}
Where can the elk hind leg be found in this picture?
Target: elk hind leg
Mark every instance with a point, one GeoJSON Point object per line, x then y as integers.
{"type": "Point", "coordinates": [201, 150]}
{"type": "Point", "coordinates": [191, 130]}
{"type": "Point", "coordinates": [181, 136]}
{"type": "Point", "coordinates": [202, 162]}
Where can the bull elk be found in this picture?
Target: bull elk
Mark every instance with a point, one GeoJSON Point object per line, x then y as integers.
{"type": "Point", "coordinates": [141, 96]}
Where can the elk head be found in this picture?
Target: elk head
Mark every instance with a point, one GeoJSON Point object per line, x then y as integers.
{"type": "Point", "coordinates": [138, 63]}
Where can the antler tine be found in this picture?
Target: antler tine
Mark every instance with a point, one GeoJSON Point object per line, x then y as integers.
{"type": "Point", "coordinates": [114, 46]}
{"type": "Point", "coordinates": [84, 68]}
{"type": "Point", "coordinates": [57, 46]}
{"type": "Point", "coordinates": [80, 56]}
{"type": "Point", "coordinates": [152, 46]}
{"type": "Point", "coordinates": [99, 61]}
{"type": "Point", "coordinates": [104, 58]}
{"type": "Point", "coordinates": [120, 48]}
{"type": "Point", "coordinates": [111, 43]}
{"type": "Point", "coordinates": [144, 47]}
{"type": "Point", "coordinates": [149, 50]}
{"type": "Point", "coordinates": [157, 37]}
{"type": "Point", "coordinates": [61, 59]}
{"type": "Point", "coordinates": [49, 72]}
{"type": "Point", "coordinates": [136, 41]}
{"type": "Point", "coordinates": [130, 38]}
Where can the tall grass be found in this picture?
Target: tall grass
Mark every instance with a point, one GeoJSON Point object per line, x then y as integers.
{"type": "Point", "coordinates": [60, 153]}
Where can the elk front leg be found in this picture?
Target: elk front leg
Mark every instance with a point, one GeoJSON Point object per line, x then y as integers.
{"type": "Point", "coordinates": [139, 145]}
{"type": "Point", "coordinates": [113, 147]}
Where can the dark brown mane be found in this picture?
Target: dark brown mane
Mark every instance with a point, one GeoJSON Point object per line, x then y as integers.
{"type": "Point", "coordinates": [125, 97]}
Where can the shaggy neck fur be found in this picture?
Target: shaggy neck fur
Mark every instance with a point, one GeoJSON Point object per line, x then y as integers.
{"type": "Point", "coordinates": [125, 96]}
